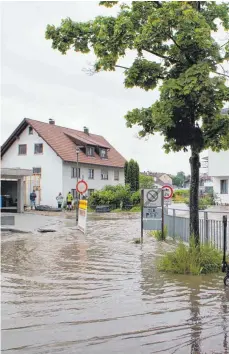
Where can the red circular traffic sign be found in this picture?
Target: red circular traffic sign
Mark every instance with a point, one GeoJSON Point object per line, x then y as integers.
{"type": "Point", "coordinates": [170, 192]}
{"type": "Point", "coordinates": [81, 187]}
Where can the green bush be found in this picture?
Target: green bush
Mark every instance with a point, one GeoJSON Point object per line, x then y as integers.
{"type": "Point", "coordinates": [135, 209]}
{"type": "Point", "coordinates": [135, 197]}
{"type": "Point", "coordinates": [158, 234]}
{"type": "Point", "coordinates": [204, 202]}
{"type": "Point", "coordinates": [180, 195]}
{"type": "Point", "coordinates": [111, 195]}
{"type": "Point", "coordinates": [195, 260]}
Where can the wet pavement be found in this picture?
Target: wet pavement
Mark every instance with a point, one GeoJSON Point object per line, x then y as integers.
{"type": "Point", "coordinates": [67, 293]}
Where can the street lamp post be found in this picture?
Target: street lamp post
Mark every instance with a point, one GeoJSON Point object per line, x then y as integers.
{"type": "Point", "coordinates": [77, 179]}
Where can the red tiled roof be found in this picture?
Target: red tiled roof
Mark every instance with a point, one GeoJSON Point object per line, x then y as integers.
{"type": "Point", "coordinates": [59, 139]}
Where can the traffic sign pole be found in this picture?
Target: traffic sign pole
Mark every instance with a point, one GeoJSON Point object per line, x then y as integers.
{"type": "Point", "coordinates": [142, 205]}
{"type": "Point", "coordinates": [162, 217]}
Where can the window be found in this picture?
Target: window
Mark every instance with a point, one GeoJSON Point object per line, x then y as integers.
{"type": "Point", "coordinates": [90, 151]}
{"type": "Point", "coordinates": [74, 193]}
{"type": "Point", "coordinates": [104, 174]}
{"type": "Point", "coordinates": [22, 149]}
{"type": "Point", "coordinates": [37, 170]}
{"type": "Point", "coordinates": [90, 173]}
{"type": "Point", "coordinates": [103, 153]}
{"type": "Point", "coordinates": [74, 172]}
{"type": "Point", "coordinates": [30, 130]}
{"type": "Point", "coordinates": [38, 148]}
{"type": "Point", "coordinates": [116, 175]}
{"type": "Point", "coordinates": [223, 186]}
{"type": "Point", "coordinates": [90, 191]}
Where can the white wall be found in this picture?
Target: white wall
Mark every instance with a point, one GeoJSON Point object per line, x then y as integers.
{"type": "Point", "coordinates": [166, 179]}
{"type": "Point", "coordinates": [218, 163]}
{"type": "Point", "coordinates": [97, 183]}
{"type": "Point", "coordinates": [224, 197]}
{"type": "Point", "coordinates": [50, 163]}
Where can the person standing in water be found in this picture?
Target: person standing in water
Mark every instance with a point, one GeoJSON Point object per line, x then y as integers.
{"type": "Point", "coordinates": [69, 201]}
{"type": "Point", "coordinates": [59, 199]}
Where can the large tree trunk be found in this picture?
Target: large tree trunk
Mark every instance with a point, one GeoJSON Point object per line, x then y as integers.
{"type": "Point", "coordinates": [194, 195]}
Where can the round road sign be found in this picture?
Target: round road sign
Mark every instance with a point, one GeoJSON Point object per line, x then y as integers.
{"type": "Point", "coordinates": [168, 196]}
{"type": "Point", "coordinates": [81, 187]}
{"type": "Point", "coordinates": [152, 196]}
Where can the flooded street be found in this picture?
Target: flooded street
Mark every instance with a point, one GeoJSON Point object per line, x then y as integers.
{"type": "Point", "coordinates": [67, 293]}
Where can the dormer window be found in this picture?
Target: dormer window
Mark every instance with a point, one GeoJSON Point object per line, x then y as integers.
{"type": "Point", "coordinates": [30, 131]}
{"type": "Point", "coordinates": [90, 151]}
{"type": "Point", "coordinates": [103, 153]}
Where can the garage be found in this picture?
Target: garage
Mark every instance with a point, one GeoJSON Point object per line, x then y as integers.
{"type": "Point", "coordinates": [12, 189]}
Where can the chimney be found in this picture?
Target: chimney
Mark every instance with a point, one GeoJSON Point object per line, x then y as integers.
{"type": "Point", "coordinates": [51, 121]}
{"type": "Point", "coordinates": [86, 130]}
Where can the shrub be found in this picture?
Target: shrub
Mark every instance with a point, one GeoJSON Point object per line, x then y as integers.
{"type": "Point", "coordinates": [191, 259]}
{"type": "Point", "coordinates": [135, 209]}
{"type": "Point", "coordinates": [135, 197]}
{"type": "Point", "coordinates": [180, 195]}
{"type": "Point", "coordinates": [111, 195]}
{"type": "Point", "coordinates": [158, 234]}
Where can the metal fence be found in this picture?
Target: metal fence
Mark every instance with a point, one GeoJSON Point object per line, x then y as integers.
{"type": "Point", "coordinates": [210, 224]}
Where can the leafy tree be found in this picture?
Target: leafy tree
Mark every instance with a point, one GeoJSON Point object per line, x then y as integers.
{"type": "Point", "coordinates": [179, 179]}
{"type": "Point", "coordinates": [146, 181]}
{"type": "Point", "coordinates": [176, 51]}
{"type": "Point", "coordinates": [125, 171]}
{"type": "Point", "coordinates": [131, 171]}
{"type": "Point", "coordinates": [137, 171]}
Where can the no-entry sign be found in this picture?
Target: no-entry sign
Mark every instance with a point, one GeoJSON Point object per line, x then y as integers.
{"type": "Point", "coordinates": [81, 187]}
{"type": "Point", "coordinates": [168, 192]}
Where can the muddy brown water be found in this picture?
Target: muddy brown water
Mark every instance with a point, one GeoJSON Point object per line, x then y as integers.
{"type": "Point", "coordinates": [68, 293]}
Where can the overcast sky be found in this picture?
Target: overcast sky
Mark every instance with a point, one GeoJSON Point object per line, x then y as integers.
{"type": "Point", "coordinates": [40, 83]}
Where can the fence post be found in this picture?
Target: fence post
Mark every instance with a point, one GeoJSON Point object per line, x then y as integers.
{"type": "Point", "coordinates": [174, 220]}
{"type": "Point", "coordinates": [224, 238]}
{"type": "Point", "coordinates": [205, 226]}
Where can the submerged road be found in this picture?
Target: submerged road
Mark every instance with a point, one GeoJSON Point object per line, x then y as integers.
{"type": "Point", "coordinates": [67, 293]}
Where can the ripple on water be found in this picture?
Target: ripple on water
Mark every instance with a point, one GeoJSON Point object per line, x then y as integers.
{"type": "Point", "coordinates": [100, 293]}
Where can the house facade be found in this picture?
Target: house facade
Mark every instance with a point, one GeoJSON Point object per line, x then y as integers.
{"type": "Point", "coordinates": [218, 169]}
{"type": "Point", "coordinates": [51, 152]}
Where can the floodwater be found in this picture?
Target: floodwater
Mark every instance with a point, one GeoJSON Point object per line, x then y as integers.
{"type": "Point", "coordinates": [68, 293]}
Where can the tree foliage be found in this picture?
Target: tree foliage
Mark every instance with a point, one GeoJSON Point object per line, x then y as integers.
{"type": "Point", "coordinates": [132, 175]}
{"type": "Point", "coordinates": [146, 181]}
{"type": "Point", "coordinates": [179, 179]}
{"type": "Point", "coordinates": [175, 51]}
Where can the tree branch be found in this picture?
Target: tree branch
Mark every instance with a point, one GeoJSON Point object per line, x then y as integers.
{"type": "Point", "coordinates": [224, 44]}
{"type": "Point", "coordinates": [160, 55]}
{"type": "Point", "coordinates": [122, 67]}
{"type": "Point", "coordinates": [216, 72]}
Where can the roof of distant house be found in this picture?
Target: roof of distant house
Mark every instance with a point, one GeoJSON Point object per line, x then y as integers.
{"type": "Point", "coordinates": [155, 174]}
{"type": "Point", "coordinates": [65, 140]}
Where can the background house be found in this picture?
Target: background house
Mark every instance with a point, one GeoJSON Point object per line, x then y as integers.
{"type": "Point", "coordinates": [160, 179]}
{"type": "Point", "coordinates": [50, 151]}
{"type": "Point", "coordinates": [218, 169]}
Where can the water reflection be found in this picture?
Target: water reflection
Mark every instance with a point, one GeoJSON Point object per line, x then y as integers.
{"type": "Point", "coordinates": [100, 293]}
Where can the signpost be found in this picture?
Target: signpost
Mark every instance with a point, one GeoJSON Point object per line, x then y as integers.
{"type": "Point", "coordinates": [152, 209]}
{"type": "Point", "coordinates": [81, 186]}
{"type": "Point", "coordinates": [168, 192]}
{"type": "Point", "coordinates": [82, 219]}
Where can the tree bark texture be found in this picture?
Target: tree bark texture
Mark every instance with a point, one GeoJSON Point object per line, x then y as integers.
{"type": "Point", "coordinates": [194, 195]}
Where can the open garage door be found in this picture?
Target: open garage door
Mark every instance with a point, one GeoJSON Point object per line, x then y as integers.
{"type": "Point", "coordinates": [9, 196]}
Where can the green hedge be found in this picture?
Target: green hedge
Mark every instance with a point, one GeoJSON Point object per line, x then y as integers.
{"type": "Point", "coordinates": [115, 196]}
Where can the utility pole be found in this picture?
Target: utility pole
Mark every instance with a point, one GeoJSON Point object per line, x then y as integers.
{"type": "Point", "coordinates": [77, 180]}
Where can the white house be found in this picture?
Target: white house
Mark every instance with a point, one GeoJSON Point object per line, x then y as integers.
{"type": "Point", "coordinates": [51, 152]}
{"type": "Point", "coordinates": [218, 168]}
